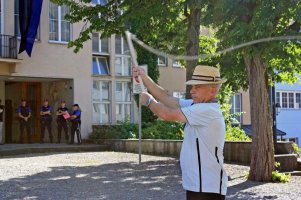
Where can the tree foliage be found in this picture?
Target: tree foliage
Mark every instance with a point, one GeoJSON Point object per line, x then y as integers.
{"type": "Point", "coordinates": [161, 24]}
{"type": "Point", "coordinates": [238, 22]}
{"type": "Point", "coordinates": [257, 66]}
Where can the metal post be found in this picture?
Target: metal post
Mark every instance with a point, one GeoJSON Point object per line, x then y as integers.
{"type": "Point", "coordinates": [142, 89]}
{"type": "Point", "coordinates": [274, 118]}
{"type": "Point", "coordinates": [139, 116]}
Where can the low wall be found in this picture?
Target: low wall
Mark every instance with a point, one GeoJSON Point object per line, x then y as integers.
{"type": "Point", "coordinates": [233, 151]}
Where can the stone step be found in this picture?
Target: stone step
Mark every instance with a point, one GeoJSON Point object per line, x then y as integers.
{"type": "Point", "coordinates": [294, 173]}
{"type": "Point", "coordinates": [21, 149]}
{"type": "Point", "coordinates": [298, 165]}
{"type": "Point", "coordinates": [288, 162]}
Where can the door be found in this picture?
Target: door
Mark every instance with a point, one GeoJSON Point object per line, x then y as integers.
{"type": "Point", "coordinates": [14, 92]}
{"type": "Point", "coordinates": [31, 91]}
{"type": "Point", "coordinates": [9, 111]}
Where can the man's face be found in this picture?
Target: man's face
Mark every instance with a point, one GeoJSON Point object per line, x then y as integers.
{"type": "Point", "coordinates": [23, 103]}
{"type": "Point", "coordinates": [203, 93]}
{"type": "Point", "coordinates": [45, 103]}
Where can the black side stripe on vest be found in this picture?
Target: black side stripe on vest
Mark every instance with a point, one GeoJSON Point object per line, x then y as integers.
{"type": "Point", "coordinates": [199, 161]}
{"type": "Point", "coordinates": [221, 175]}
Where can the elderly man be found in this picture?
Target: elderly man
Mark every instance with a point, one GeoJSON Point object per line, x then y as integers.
{"type": "Point", "coordinates": [201, 159]}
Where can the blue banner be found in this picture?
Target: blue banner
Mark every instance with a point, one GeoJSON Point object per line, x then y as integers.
{"type": "Point", "coordinates": [31, 10]}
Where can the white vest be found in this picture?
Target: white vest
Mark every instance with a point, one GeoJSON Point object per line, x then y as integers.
{"type": "Point", "coordinates": [201, 156]}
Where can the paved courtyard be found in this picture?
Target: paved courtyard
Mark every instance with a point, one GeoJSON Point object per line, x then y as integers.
{"type": "Point", "coordinates": [114, 176]}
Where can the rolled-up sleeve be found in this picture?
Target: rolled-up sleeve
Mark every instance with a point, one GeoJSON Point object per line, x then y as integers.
{"type": "Point", "coordinates": [197, 115]}
{"type": "Point", "coordinates": [185, 102]}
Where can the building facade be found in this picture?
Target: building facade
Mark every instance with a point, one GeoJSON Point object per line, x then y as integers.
{"type": "Point", "coordinates": [288, 96]}
{"type": "Point", "coordinates": [98, 77]}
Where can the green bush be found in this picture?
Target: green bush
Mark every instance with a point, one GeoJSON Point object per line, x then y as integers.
{"type": "Point", "coordinates": [280, 177]}
{"type": "Point", "coordinates": [160, 129]}
{"type": "Point", "coordinates": [150, 130]}
{"type": "Point", "coordinates": [296, 149]}
{"type": "Point", "coordinates": [236, 134]}
{"type": "Point", "coordinates": [276, 175]}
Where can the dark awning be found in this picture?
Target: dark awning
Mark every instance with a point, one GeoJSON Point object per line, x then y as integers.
{"type": "Point", "coordinates": [248, 130]}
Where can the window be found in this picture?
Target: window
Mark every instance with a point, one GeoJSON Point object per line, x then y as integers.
{"type": "Point", "coordinates": [176, 63]}
{"type": "Point", "coordinates": [123, 58]}
{"type": "Point", "coordinates": [278, 97]}
{"type": "Point", "coordinates": [123, 100]}
{"type": "Point", "coordinates": [162, 61]}
{"type": "Point", "coordinates": [100, 66]}
{"type": "Point", "coordinates": [101, 2]}
{"type": "Point", "coordinates": [284, 100]}
{"type": "Point", "coordinates": [16, 18]}
{"type": "Point", "coordinates": [290, 99]}
{"type": "Point", "coordinates": [101, 102]}
{"type": "Point", "coordinates": [180, 95]}
{"type": "Point", "coordinates": [121, 46]}
{"type": "Point", "coordinates": [298, 100]}
{"type": "Point", "coordinates": [236, 107]}
{"type": "Point", "coordinates": [1, 17]}
{"type": "Point", "coordinates": [123, 66]}
{"type": "Point", "coordinates": [99, 45]}
{"type": "Point", "coordinates": [59, 27]}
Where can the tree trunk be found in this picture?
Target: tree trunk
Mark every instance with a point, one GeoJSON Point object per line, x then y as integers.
{"type": "Point", "coordinates": [262, 155]}
{"type": "Point", "coordinates": [193, 33]}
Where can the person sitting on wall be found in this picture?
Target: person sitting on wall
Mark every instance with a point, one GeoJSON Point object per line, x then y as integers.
{"type": "Point", "coordinates": [62, 116]}
{"type": "Point", "coordinates": [46, 120]}
{"type": "Point", "coordinates": [24, 113]}
{"type": "Point", "coordinates": [75, 124]}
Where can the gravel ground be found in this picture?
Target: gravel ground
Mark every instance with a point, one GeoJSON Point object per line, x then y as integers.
{"type": "Point", "coordinates": [114, 176]}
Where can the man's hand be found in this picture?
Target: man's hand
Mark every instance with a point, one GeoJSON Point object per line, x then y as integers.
{"type": "Point", "coordinates": [145, 97]}
{"type": "Point", "coordinates": [137, 71]}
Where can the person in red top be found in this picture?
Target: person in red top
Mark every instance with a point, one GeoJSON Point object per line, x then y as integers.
{"type": "Point", "coordinates": [61, 113]}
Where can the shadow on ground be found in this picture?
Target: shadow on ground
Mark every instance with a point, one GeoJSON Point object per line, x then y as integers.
{"type": "Point", "coordinates": [150, 180]}
{"type": "Point", "coordinates": [240, 192]}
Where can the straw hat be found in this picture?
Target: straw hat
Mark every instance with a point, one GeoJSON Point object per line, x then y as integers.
{"type": "Point", "coordinates": [205, 75]}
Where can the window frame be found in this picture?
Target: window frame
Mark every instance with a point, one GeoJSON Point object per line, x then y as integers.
{"type": "Point", "coordinates": [123, 56]}
{"type": "Point", "coordinates": [123, 103]}
{"type": "Point", "coordinates": [100, 52]}
{"type": "Point", "coordinates": [2, 17]}
{"type": "Point", "coordinates": [98, 65]}
{"type": "Point", "coordinates": [234, 109]}
{"type": "Point", "coordinates": [59, 19]}
{"type": "Point", "coordinates": [296, 105]}
{"type": "Point", "coordinates": [107, 102]}
{"type": "Point", "coordinates": [165, 61]}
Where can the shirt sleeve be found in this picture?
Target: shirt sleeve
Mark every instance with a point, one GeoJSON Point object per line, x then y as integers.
{"type": "Point", "coordinates": [50, 109]}
{"type": "Point", "coordinates": [29, 109]}
{"type": "Point", "coordinates": [198, 114]}
{"type": "Point", "coordinates": [19, 110]}
{"type": "Point", "coordinates": [77, 113]}
{"type": "Point", "coordinates": [185, 102]}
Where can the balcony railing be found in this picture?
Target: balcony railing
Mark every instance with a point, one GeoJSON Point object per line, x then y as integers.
{"type": "Point", "coordinates": [8, 46]}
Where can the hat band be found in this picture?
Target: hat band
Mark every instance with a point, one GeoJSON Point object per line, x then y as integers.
{"type": "Point", "coordinates": [206, 78]}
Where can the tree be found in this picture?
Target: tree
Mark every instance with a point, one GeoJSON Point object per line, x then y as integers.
{"type": "Point", "coordinates": [193, 14]}
{"type": "Point", "coordinates": [255, 66]}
